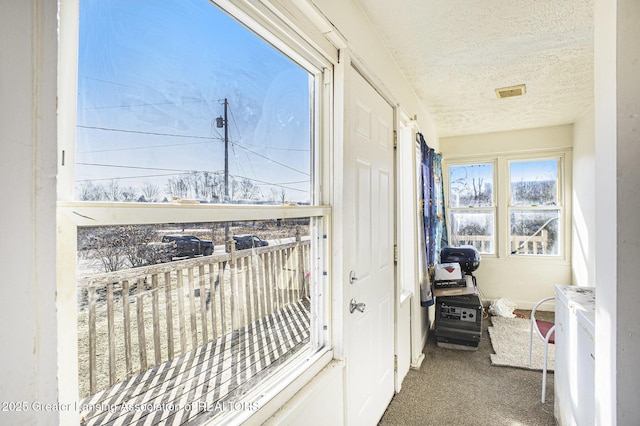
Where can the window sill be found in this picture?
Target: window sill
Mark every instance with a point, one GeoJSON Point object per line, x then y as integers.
{"type": "Point", "coordinates": [275, 391]}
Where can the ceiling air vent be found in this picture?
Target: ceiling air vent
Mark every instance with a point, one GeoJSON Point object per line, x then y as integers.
{"type": "Point", "coordinates": [510, 92]}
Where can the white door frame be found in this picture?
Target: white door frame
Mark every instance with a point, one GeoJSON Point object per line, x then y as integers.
{"type": "Point", "coordinates": [343, 72]}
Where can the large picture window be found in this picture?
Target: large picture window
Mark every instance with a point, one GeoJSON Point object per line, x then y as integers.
{"type": "Point", "coordinates": [191, 196]}
{"type": "Point", "coordinates": [176, 100]}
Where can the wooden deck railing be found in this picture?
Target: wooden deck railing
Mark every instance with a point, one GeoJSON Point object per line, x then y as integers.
{"type": "Point", "coordinates": [135, 319]}
{"type": "Point", "coordinates": [523, 244]}
{"type": "Point", "coordinates": [483, 243]}
{"type": "Point", "coordinates": [538, 244]}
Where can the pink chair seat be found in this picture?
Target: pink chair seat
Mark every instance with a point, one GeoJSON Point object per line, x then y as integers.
{"type": "Point", "coordinates": [544, 327]}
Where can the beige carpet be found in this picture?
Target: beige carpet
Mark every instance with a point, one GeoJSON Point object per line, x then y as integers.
{"type": "Point", "coordinates": [510, 341]}
{"type": "Point", "coordinates": [463, 388]}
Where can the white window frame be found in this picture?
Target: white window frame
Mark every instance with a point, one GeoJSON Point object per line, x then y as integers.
{"type": "Point", "coordinates": [502, 204]}
{"type": "Point", "coordinates": [72, 214]}
{"type": "Point", "coordinates": [494, 202]}
{"type": "Point", "coordinates": [559, 207]}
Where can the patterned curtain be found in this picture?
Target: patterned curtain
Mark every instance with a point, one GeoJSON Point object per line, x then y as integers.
{"type": "Point", "coordinates": [426, 295]}
{"type": "Point", "coordinates": [438, 217]}
{"type": "Point", "coordinates": [433, 216]}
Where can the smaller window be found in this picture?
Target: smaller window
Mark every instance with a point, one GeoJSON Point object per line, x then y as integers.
{"type": "Point", "coordinates": [534, 183]}
{"type": "Point", "coordinates": [471, 185]}
{"type": "Point", "coordinates": [535, 207]}
{"type": "Point", "coordinates": [471, 204]}
{"type": "Point", "coordinates": [474, 228]}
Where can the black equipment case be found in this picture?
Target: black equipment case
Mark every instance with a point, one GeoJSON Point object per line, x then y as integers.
{"type": "Point", "coordinates": [458, 322]}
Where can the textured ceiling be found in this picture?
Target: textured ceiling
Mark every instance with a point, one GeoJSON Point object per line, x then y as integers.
{"type": "Point", "coordinates": [455, 53]}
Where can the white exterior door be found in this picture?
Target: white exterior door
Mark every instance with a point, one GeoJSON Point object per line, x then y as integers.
{"type": "Point", "coordinates": [368, 257]}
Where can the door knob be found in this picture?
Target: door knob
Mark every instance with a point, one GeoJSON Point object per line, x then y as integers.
{"type": "Point", "coordinates": [353, 306]}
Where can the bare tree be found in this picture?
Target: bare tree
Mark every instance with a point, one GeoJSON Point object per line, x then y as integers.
{"type": "Point", "coordinates": [128, 194]}
{"type": "Point", "coordinates": [91, 192]}
{"type": "Point", "coordinates": [177, 187]}
{"type": "Point", "coordinates": [136, 239]}
{"type": "Point", "coordinates": [233, 190]}
{"type": "Point", "coordinates": [109, 246]}
{"type": "Point", "coordinates": [248, 190]}
{"type": "Point", "coordinates": [274, 194]}
{"type": "Point", "coordinates": [478, 185]}
{"type": "Point", "coordinates": [150, 191]}
{"type": "Point", "coordinates": [196, 185]}
{"type": "Point", "coordinates": [117, 247]}
{"type": "Point", "coordinates": [113, 192]}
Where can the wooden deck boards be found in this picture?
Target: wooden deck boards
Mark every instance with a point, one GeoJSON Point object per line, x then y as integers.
{"type": "Point", "coordinates": [184, 390]}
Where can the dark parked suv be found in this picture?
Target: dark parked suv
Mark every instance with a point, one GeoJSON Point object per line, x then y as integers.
{"type": "Point", "coordinates": [246, 241]}
{"type": "Point", "coordinates": [188, 245]}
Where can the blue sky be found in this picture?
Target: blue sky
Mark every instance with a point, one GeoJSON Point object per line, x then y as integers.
{"type": "Point", "coordinates": [528, 171]}
{"type": "Point", "coordinates": [534, 171]}
{"type": "Point", "coordinates": [151, 78]}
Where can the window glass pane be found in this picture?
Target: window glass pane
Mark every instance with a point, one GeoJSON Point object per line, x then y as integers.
{"type": "Point", "coordinates": [534, 232]}
{"type": "Point", "coordinates": [471, 185]}
{"type": "Point", "coordinates": [177, 98]}
{"type": "Point", "coordinates": [473, 228]}
{"type": "Point", "coordinates": [534, 183]}
{"type": "Point", "coordinates": [153, 295]}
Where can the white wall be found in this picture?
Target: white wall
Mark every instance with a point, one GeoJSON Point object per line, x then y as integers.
{"type": "Point", "coordinates": [606, 196]}
{"type": "Point", "coordinates": [521, 280]}
{"type": "Point", "coordinates": [628, 206]}
{"type": "Point", "coordinates": [617, 120]}
{"type": "Point", "coordinates": [319, 403]}
{"type": "Point", "coordinates": [583, 262]}
{"type": "Point", "coordinates": [28, 367]}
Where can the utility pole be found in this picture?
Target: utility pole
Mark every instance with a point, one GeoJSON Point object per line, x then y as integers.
{"type": "Point", "coordinates": [224, 122]}
{"type": "Point", "coordinates": [226, 151]}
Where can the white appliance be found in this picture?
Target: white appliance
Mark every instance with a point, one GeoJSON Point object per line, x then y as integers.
{"type": "Point", "coordinates": [574, 373]}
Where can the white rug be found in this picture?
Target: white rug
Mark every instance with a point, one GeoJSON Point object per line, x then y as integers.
{"type": "Point", "coordinates": [510, 341]}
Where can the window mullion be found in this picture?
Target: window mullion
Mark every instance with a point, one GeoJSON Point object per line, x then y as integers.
{"type": "Point", "coordinates": [502, 208]}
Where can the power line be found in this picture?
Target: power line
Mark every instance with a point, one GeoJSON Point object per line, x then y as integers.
{"type": "Point", "coordinates": [191, 137]}
{"type": "Point", "coordinates": [275, 148]}
{"type": "Point", "coordinates": [146, 133]}
{"type": "Point", "coordinates": [146, 104]}
{"type": "Point", "coordinates": [110, 82]}
{"type": "Point", "coordinates": [184, 172]}
{"type": "Point", "coordinates": [215, 128]}
{"type": "Point", "coordinates": [141, 147]}
{"type": "Point", "coordinates": [239, 163]}
{"type": "Point", "coordinates": [269, 183]}
{"type": "Point", "coordinates": [233, 117]}
{"type": "Point", "coordinates": [118, 166]}
{"type": "Point", "coordinates": [280, 185]}
{"type": "Point", "coordinates": [271, 160]}
{"type": "Point", "coordinates": [218, 137]}
{"type": "Point", "coordinates": [129, 177]}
